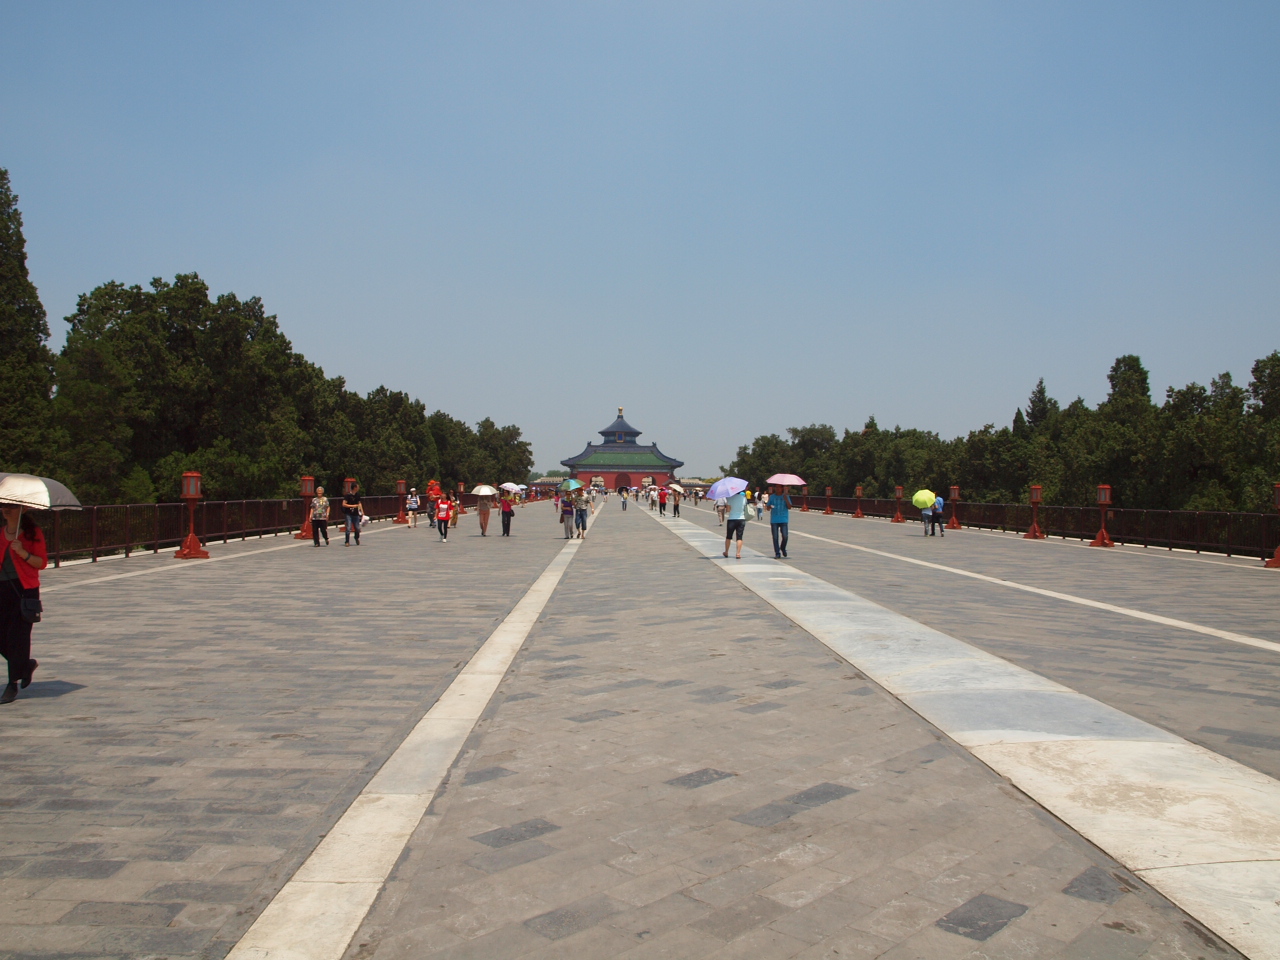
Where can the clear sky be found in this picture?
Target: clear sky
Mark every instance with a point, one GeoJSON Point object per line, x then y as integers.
{"type": "Point", "coordinates": [730, 218]}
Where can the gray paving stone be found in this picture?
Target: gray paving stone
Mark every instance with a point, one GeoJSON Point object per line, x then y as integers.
{"type": "Point", "coordinates": [485, 775]}
{"type": "Point", "coordinates": [594, 715]}
{"type": "Point", "coordinates": [1097, 885]}
{"type": "Point", "coordinates": [525, 830]}
{"type": "Point", "coordinates": [513, 856]}
{"type": "Point", "coordinates": [123, 914]}
{"type": "Point", "coordinates": [763, 707]}
{"type": "Point", "coordinates": [576, 917]}
{"type": "Point", "coordinates": [699, 778]}
{"type": "Point", "coordinates": [982, 917]}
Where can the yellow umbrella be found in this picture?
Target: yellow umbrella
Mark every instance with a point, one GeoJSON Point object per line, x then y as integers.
{"type": "Point", "coordinates": [924, 498]}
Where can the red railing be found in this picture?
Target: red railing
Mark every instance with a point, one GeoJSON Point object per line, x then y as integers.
{"type": "Point", "coordinates": [104, 530]}
{"type": "Point", "coordinates": [1235, 534]}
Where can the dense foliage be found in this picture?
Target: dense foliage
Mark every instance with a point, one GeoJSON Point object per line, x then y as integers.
{"type": "Point", "coordinates": [152, 382]}
{"type": "Point", "coordinates": [1215, 448]}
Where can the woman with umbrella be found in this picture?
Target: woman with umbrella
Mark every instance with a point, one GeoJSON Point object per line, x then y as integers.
{"type": "Point", "coordinates": [733, 491]}
{"type": "Point", "coordinates": [508, 506]}
{"type": "Point", "coordinates": [780, 511]}
{"type": "Point", "coordinates": [24, 556]}
{"type": "Point", "coordinates": [484, 504]}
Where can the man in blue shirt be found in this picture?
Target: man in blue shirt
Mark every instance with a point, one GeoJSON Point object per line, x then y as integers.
{"type": "Point", "coordinates": [779, 517]}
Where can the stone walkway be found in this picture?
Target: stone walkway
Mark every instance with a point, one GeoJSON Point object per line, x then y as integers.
{"type": "Point", "coordinates": [672, 769]}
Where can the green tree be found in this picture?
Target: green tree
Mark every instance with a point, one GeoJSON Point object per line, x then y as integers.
{"type": "Point", "coordinates": [26, 364]}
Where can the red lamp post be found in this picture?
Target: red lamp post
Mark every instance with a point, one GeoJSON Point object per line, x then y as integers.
{"type": "Point", "coordinates": [858, 514]}
{"type": "Point", "coordinates": [349, 485]}
{"type": "Point", "coordinates": [897, 513]}
{"type": "Point", "coordinates": [192, 548]}
{"type": "Point", "coordinates": [1274, 562]}
{"type": "Point", "coordinates": [1104, 501]}
{"type": "Point", "coordinates": [402, 491]}
{"type": "Point", "coordinates": [828, 511]}
{"type": "Point", "coordinates": [805, 506]}
{"type": "Point", "coordinates": [308, 494]}
{"type": "Point", "coordinates": [1035, 533]}
{"type": "Point", "coordinates": [461, 508]}
{"type": "Point", "coordinates": [954, 522]}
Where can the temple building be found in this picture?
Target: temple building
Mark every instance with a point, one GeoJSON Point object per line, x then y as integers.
{"type": "Point", "coordinates": [621, 462]}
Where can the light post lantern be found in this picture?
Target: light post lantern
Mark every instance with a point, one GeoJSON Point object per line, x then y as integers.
{"type": "Point", "coordinates": [308, 491]}
{"type": "Point", "coordinates": [461, 509]}
{"type": "Point", "coordinates": [1274, 562]}
{"type": "Point", "coordinates": [828, 511]}
{"type": "Point", "coordinates": [1104, 501]}
{"type": "Point", "coordinates": [1035, 533]}
{"type": "Point", "coordinates": [857, 513]}
{"type": "Point", "coordinates": [192, 548]}
{"type": "Point", "coordinates": [402, 491]}
{"type": "Point", "coordinates": [897, 513]}
{"type": "Point", "coordinates": [805, 503]}
{"type": "Point", "coordinates": [954, 522]}
{"type": "Point", "coordinates": [348, 485]}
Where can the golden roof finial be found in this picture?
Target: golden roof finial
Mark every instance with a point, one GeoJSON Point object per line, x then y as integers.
{"type": "Point", "coordinates": [619, 413]}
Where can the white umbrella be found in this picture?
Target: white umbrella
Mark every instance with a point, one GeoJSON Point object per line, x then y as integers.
{"type": "Point", "coordinates": [510, 487]}
{"type": "Point", "coordinates": [35, 493]}
{"type": "Point", "coordinates": [676, 487]}
{"type": "Point", "coordinates": [484, 490]}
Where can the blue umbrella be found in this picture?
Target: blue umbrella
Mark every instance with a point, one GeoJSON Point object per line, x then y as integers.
{"type": "Point", "coordinates": [726, 487]}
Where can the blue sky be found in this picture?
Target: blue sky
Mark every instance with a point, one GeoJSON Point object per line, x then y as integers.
{"type": "Point", "coordinates": [728, 217]}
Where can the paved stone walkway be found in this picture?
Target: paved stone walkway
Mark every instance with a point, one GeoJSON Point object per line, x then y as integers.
{"type": "Point", "coordinates": [672, 769]}
{"type": "Point", "coordinates": [1212, 692]}
{"type": "Point", "coordinates": [192, 732]}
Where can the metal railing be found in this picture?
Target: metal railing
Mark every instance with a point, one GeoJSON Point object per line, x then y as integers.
{"type": "Point", "coordinates": [1230, 533]}
{"type": "Point", "coordinates": [98, 531]}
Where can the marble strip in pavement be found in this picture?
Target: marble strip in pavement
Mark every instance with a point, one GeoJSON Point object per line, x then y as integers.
{"type": "Point", "coordinates": [330, 894]}
{"type": "Point", "coordinates": [1199, 827]}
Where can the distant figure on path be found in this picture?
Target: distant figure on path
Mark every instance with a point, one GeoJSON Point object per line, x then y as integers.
{"type": "Point", "coordinates": [581, 504]}
{"type": "Point", "coordinates": [508, 508]}
{"type": "Point", "coordinates": [567, 514]}
{"type": "Point", "coordinates": [675, 503]}
{"type": "Point", "coordinates": [443, 510]}
{"type": "Point", "coordinates": [722, 505]}
{"type": "Point", "coordinates": [320, 517]}
{"type": "Point", "coordinates": [483, 506]}
{"type": "Point", "coordinates": [412, 505]}
{"type": "Point", "coordinates": [25, 555]}
{"type": "Point", "coordinates": [662, 502]}
{"type": "Point", "coordinates": [935, 520]}
{"type": "Point", "coordinates": [737, 508]}
{"type": "Point", "coordinates": [779, 518]}
{"type": "Point", "coordinates": [353, 511]}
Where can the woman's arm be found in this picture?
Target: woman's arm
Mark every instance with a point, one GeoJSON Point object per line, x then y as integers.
{"type": "Point", "coordinates": [36, 558]}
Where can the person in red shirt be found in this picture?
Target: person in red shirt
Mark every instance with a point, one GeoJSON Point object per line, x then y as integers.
{"type": "Point", "coordinates": [662, 502]}
{"type": "Point", "coordinates": [24, 556]}
{"type": "Point", "coordinates": [444, 510]}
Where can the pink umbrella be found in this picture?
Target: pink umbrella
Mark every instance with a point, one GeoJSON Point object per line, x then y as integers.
{"type": "Point", "coordinates": [786, 480]}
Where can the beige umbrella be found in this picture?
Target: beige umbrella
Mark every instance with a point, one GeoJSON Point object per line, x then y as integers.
{"type": "Point", "coordinates": [484, 490]}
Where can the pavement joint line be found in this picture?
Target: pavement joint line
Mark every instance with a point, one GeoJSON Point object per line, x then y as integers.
{"type": "Point", "coordinates": [194, 564]}
{"type": "Point", "coordinates": [1054, 594]}
{"type": "Point", "coordinates": [317, 912]}
{"type": "Point", "coordinates": [1200, 828]}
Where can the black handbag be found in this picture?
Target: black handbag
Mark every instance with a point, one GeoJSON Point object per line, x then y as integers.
{"type": "Point", "coordinates": [29, 604]}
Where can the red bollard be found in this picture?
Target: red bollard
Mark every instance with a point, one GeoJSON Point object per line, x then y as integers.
{"type": "Point", "coordinates": [192, 548]}
{"type": "Point", "coordinates": [1035, 533]}
{"type": "Point", "coordinates": [308, 494]}
{"type": "Point", "coordinates": [828, 511]}
{"type": "Point", "coordinates": [402, 491]}
{"type": "Point", "coordinates": [858, 514]}
{"type": "Point", "coordinates": [954, 522]}
{"type": "Point", "coordinates": [805, 508]}
{"type": "Point", "coordinates": [1274, 562]}
{"type": "Point", "coordinates": [1104, 501]}
{"type": "Point", "coordinates": [897, 514]}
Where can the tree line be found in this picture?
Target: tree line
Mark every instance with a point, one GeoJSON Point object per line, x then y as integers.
{"type": "Point", "coordinates": [155, 381]}
{"type": "Point", "coordinates": [1214, 448]}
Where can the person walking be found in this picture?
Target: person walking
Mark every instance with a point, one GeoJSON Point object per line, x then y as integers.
{"type": "Point", "coordinates": [675, 503]}
{"type": "Point", "coordinates": [722, 506]}
{"type": "Point", "coordinates": [581, 506]}
{"type": "Point", "coordinates": [25, 555]}
{"type": "Point", "coordinates": [508, 508]}
{"type": "Point", "coordinates": [736, 507]}
{"type": "Point", "coordinates": [662, 502]}
{"type": "Point", "coordinates": [320, 517]}
{"type": "Point", "coordinates": [623, 493]}
{"type": "Point", "coordinates": [412, 505]}
{"type": "Point", "coordinates": [483, 505]}
{"type": "Point", "coordinates": [567, 515]}
{"type": "Point", "coordinates": [936, 519]}
{"type": "Point", "coordinates": [444, 508]}
{"type": "Point", "coordinates": [353, 512]}
{"type": "Point", "coordinates": [779, 518]}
